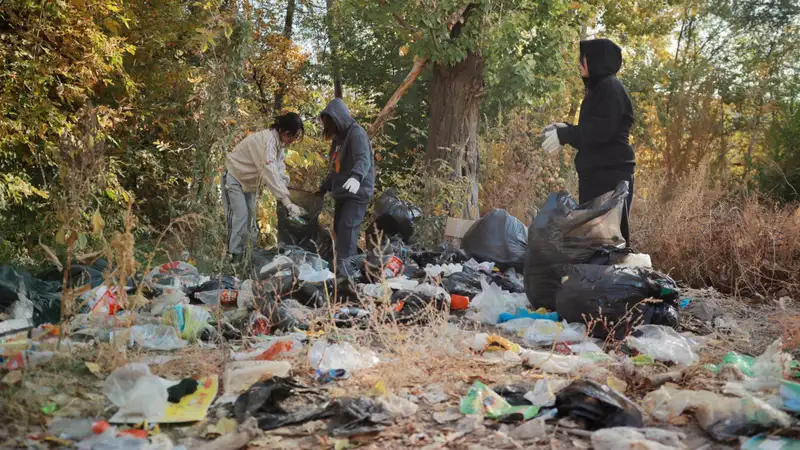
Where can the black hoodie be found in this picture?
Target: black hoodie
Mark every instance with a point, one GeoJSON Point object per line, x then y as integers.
{"type": "Point", "coordinates": [350, 156]}
{"type": "Point", "coordinates": [602, 133]}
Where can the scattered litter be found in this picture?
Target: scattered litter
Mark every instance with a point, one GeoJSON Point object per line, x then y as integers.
{"type": "Point", "coordinates": [523, 313]}
{"type": "Point", "coordinates": [240, 375]}
{"type": "Point", "coordinates": [771, 443]}
{"type": "Point", "coordinates": [481, 400]}
{"type": "Point", "coordinates": [324, 356]}
{"type": "Point", "coordinates": [529, 431]}
{"type": "Point", "coordinates": [450, 414]}
{"type": "Point", "coordinates": [723, 418]}
{"type": "Point", "coordinates": [436, 270]}
{"type": "Point", "coordinates": [264, 400]}
{"type": "Point", "coordinates": [546, 332]}
{"type": "Point", "coordinates": [354, 416]}
{"type": "Point", "coordinates": [626, 438]}
{"type": "Point", "coordinates": [597, 406]}
{"type": "Point", "coordinates": [544, 392]}
{"type": "Point", "coordinates": [664, 344]}
{"type": "Point", "coordinates": [176, 275]}
{"type": "Point", "coordinates": [493, 301]}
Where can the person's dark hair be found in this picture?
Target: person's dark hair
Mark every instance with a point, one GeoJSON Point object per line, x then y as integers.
{"type": "Point", "coordinates": [291, 124]}
{"type": "Point", "coordinates": [328, 126]}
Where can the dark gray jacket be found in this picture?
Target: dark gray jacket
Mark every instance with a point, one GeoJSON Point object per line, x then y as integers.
{"type": "Point", "coordinates": [350, 156]}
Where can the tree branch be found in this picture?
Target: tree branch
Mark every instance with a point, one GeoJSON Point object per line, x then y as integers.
{"type": "Point", "coordinates": [388, 109]}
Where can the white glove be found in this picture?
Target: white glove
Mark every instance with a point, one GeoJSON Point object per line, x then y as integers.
{"type": "Point", "coordinates": [294, 210]}
{"type": "Point", "coordinates": [352, 185]}
{"type": "Point", "coordinates": [551, 143]}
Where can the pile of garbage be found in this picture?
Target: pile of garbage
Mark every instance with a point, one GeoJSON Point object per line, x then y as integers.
{"type": "Point", "coordinates": [563, 297]}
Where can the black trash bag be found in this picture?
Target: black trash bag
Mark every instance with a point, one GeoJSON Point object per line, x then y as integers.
{"type": "Point", "coordinates": [393, 217]}
{"type": "Point", "coordinates": [218, 283]}
{"type": "Point", "coordinates": [305, 232]}
{"type": "Point", "coordinates": [79, 274]}
{"type": "Point", "coordinates": [355, 416]}
{"type": "Point", "coordinates": [466, 283]}
{"type": "Point", "coordinates": [444, 255]}
{"type": "Point", "coordinates": [508, 283]}
{"type": "Point", "coordinates": [314, 295]}
{"type": "Point", "coordinates": [353, 268]}
{"type": "Point", "coordinates": [24, 297]}
{"type": "Point", "coordinates": [497, 237]}
{"type": "Point", "coordinates": [264, 402]}
{"type": "Point", "coordinates": [597, 406]}
{"type": "Point", "coordinates": [514, 394]}
{"type": "Point", "coordinates": [565, 233]}
{"type": "Point", "coordinates": [616, 294]}
{"type": "Point", "coordinates": [346, 290]}
{"type": "Point", "coordinates": [278, 286]}
{"type": "Point", "coordinates": [415, 307]}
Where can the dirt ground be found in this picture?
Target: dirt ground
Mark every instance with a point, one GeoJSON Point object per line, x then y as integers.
{"type": "Point", "coordinates": [419, 363]}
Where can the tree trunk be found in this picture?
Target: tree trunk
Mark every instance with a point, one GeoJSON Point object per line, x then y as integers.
{"type": "Point", "coordinates": [334, 44]}
{"type": "Point", "coordinates": [453, 128]}
{"type": "Point", "coordinates": [287, 33]}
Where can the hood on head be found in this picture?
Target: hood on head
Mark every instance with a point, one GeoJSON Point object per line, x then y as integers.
{"type": "Point", "coordinates": [340, 114]}
{"type": "Point", "coordinates": [603, 57]}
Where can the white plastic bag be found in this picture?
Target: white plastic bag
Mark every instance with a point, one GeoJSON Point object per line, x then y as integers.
{"type": "Point", "coordinates": [324, 356]}
{"type": "Point", "coordinates": [307, 273]}
{"type": "Point", "coordinates": [664, 344]}
{"type": "Point", "coordinates": [493, 301]}
{"type": "Point", "coordinates": [546, 332]}
{"type": "Point", "coordinates": [136, 392]}
{"type": "Point", "coordinates": [157, 337]}
{"type": "Point", "coordinates": [436, 270]}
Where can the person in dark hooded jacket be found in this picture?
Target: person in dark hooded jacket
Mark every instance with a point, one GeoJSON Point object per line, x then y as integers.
{"type": "Point", "coordinates": [351, 176]}
{"type": "Point", "coordinates": [605, 156]}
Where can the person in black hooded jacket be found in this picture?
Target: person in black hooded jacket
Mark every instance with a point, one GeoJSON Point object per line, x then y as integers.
{"type": "Point", "coordinates": [605, 156]}
{"type": "Point", "coordinates": [351, 176]}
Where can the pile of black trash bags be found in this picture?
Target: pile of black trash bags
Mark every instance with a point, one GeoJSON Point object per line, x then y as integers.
{"type": "Point", "coordinates": [572, 267]}
{"type": "Point", "coordinates": [571, 257]}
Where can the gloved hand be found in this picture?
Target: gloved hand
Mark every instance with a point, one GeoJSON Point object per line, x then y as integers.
{"type": "Point", "coordinates": [294, 210]}
{"type": "Point", "coordinates": [352, 185]}
{"type": "Point", "coordinates": [551, 143]}
{"type": "Point", "coordinates": [554, 126]}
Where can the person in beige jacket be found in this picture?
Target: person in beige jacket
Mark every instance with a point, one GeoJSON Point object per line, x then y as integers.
{"type": "Point", "coordinates": [257, 161]}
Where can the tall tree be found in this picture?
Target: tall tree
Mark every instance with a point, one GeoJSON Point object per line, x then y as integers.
{"type": "Point", "coordinates": [287, 34]}
{"type": "Point", "coordinates": [512, 49]}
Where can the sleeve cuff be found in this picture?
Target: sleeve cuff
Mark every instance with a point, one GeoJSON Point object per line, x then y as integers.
{"type": "Point", "coordinates": [358, 177]}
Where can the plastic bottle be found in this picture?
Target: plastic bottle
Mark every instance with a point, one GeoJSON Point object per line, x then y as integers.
{"type": "Point", "coordinates": [77, 429]}
{"type": "Point", "coordinates": [259, 325]}
{"type": "Point", "coordinates": [27, 359]}
{"type": "Point", "coordinates": [350, 314]}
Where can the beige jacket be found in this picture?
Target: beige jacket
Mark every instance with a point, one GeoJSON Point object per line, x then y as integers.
{"type": "Point", "coordinates": [260, 160]}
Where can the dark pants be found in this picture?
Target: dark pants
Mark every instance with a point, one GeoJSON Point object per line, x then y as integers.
{"type": "Point", "coordinates": [347, 218]}
{"type": "Point", "coordinates": [600, 181]}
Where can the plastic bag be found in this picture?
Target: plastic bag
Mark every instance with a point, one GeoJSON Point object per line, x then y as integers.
{"type": "Point", "coordinates": [724, 418]}
{"type": "Point", "coordinates": [152, 337]}
{"type": "Point", "coordinates": [305, 232]}
{"type": "Point", "coordinates": [25, 297]}
{"type": "Point", "coordinates": [189, 320]}
{"type": "Point", "coordinates": [617, 297]}
{"type": "Point", "coordinates": [437, 270]}
{"type": "Point", "coordinates": [395, 217]}
{"type": "Point", "coordinates": [498, 237]}
{"type": "Point", "coordinates": [482, 400]}
{"type": "Point", "coordinates": [493, 301]}
{"type": "Point", "coordinates": [175, 275]}
{"type": "Point", "coordinates": [598, 406]}
{"type": "Point", "coordinates": [567, 233]}
{"type": "Point", "coordinates": [545, 332]}
{"type": "Point", "coordinates": [325, 356]}
{"type": "Point", "coordinates": [307, 273]}
{"type": "Point", "coordinates": [664, 344]}
{"type": "Point", "coordinates": [136, 392]}
{"type": "Point", "coordinates": [466, 283]}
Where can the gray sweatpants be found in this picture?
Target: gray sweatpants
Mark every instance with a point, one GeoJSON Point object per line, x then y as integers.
{"type": "Point", "coordinates": [240, 214]}
{"type": "Point", "coordinates": [347, 218]}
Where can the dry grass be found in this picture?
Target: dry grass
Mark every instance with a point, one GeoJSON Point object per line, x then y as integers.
{"type": "Point", "coordinates": [704, 235]}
